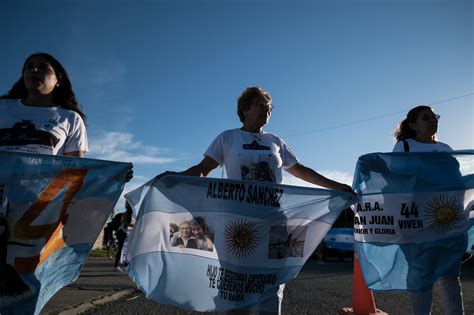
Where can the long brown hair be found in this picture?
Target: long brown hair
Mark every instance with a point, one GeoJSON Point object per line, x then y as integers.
{"type": "Point", "coordinates": [63, 95]}
{"type": "Point", "coordinates": [403, 130]}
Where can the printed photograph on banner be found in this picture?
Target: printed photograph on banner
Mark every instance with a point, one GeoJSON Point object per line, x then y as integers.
{"type": "Point", "coordinates": [193, 233]}
{"type": "Point", "coordinates": [286, 241]}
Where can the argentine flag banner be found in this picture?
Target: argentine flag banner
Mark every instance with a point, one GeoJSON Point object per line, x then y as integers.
{"type": "Point", "coordinates": [411, 222]}
{"type": "Point", "coordinates": [210, 244]}
{"type": "Point", "coordinates": [52, 210]}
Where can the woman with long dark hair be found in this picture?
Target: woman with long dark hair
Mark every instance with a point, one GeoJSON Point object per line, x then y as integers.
{"type": "Point", "coordinates": [40, 113]}
{"type": "Point", "coordinates": [418, 132]}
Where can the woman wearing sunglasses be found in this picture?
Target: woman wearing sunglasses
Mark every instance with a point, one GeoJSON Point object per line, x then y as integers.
{"type": "Point", "coordinates": [417, 133]}
{"type": "Point", "coordinates": [249, 153]}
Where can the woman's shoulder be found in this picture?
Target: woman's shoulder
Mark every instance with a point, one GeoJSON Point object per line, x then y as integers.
{"type": "Point", "coordinates": [414, 146]}
{"type": "Point", "coordinates": [229, 133]}
{"type": "Point", "coordinates": [69, 115]}
{"type": "Point", "coordinates": [444, 146]}
{"type": "Point", "coordinates": [273, 137]}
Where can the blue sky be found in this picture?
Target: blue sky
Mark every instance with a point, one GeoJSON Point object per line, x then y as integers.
{"type": "Point", "coordinates": [159, 80]}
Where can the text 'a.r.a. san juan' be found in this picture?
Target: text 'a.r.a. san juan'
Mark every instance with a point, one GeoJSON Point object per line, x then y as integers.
{"type": "Point", "coordinates": [370, 214]}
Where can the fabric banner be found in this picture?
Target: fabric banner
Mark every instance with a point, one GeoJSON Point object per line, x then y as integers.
{"type": "Point", "coordinates": [410, 224]}
{"type": "Point", "coordinates": [52, 210]}
{"type": "Point", "coordinates": [209, 244]}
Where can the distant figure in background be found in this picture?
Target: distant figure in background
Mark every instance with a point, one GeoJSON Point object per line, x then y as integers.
{"type": "Point", "coordinates": [122, 232]}
{"type": "Point", "coordinates": [111, 228]}
{"type": "Point", "coordinates": [417, 133]}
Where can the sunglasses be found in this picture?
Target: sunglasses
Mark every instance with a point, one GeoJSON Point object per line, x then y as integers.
{"type": "Point", "coordinates": [267, 106]}
{"type": "Point", "coordinates": [427, 117]}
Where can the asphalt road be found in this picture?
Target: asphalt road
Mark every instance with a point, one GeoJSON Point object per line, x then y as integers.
{"type": "Point", "coordinates": [318, 289]}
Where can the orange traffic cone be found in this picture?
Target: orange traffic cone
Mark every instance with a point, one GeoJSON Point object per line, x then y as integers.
{"type": "Point", "coordinates": [363, 302]}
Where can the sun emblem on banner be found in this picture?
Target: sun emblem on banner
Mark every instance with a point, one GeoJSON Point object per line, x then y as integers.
{"type": "Point", "coordinates": [241, 238]}
{"type": "Point", "coordinates": [443, 212]}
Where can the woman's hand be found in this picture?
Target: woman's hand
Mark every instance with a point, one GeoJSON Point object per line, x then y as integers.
{"type": "Point", "coordinates": [347, 188]}
{"type": "Point", "coordinates": [129, 174]}
{"type": "Point", "coordinates": [201, 169]}
{"type": "Point", "coordinates": [166, 174]}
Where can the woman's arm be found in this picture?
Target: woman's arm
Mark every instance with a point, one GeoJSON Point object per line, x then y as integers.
{"type": "Point", "coordinates": [202, 169]}
{"type": "Point", "coordinates": [75, 153]}
{"type": "Point", "coordinates": [311, 176]}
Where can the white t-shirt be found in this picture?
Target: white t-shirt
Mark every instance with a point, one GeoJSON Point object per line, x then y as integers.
{"type": "Point", "coordinates": [251, 156]}
{"type": "Point", "coordinates": [43, 130]}
{"type": "Point", "coordinates": [416, 146]}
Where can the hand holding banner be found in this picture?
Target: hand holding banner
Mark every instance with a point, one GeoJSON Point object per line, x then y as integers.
{"type": "Point", "coordinates": [410, 225]}
{"type": "Point", "coordinates": [46, 201]}
{"type": "Point", "coordinates": [257, 235]}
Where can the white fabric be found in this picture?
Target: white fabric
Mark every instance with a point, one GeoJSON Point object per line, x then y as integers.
{"type": "Point", "coordinates": [251, 156]}
{"type": "Point", "coordinates": [416, 146]}
{"type": "Point", "coordinates": [43, 130]}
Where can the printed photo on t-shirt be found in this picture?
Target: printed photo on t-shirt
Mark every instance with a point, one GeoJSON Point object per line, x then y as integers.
{"type": "Point", "coordinates": [255, 164]}
{"type": "Point", "coordinates": [259, 171]}
{"type": "Point", "coordinates": [25, 133]}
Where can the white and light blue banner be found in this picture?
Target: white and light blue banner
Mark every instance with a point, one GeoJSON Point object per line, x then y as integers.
{"type": "Point", "coordinates": [216, 245]}
{"type": "Point", "coordinates": [52, 210]}
{"type": "Point", "coordinates": [410, 224]}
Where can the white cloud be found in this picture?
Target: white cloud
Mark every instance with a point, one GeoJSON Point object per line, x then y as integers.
{"type": "Point", "coordinates": [337, 176]}
{"type": "Point", "coordinates": [108, 71]}
{"type": "Point", "coordinates": [121, 146]}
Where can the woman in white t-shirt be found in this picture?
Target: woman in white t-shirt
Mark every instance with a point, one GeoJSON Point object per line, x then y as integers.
{"type": "Point", "coordinates": [40, 114]}
{"type": "Point", "coordinates": [249, 153]}
{"type": "Point", "coordinates": [417, 133]}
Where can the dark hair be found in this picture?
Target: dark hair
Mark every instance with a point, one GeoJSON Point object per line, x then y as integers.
{"type": "Point", "coordinates": [403, 130]}
{"type": "Point", "coordinates": [246, 98]}
{"type": "Point", "coordinates": [63, 95]}
{"type": "Point", "coordinates": [200, 221]}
